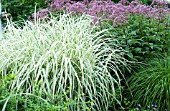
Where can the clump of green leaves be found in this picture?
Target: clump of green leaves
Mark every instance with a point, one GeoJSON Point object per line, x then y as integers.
{"type": "Point", "coordinates": [151, 84]}
{"type": "Point", "coordinates": [34, 102]}
{"type": "Point", "coordinates": [11, 101]}
{"type": "Point", "coordinates": [142, 37]}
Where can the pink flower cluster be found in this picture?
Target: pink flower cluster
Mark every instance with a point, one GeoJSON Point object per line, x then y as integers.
{"type": "Point", "coordinates": [106, 9]}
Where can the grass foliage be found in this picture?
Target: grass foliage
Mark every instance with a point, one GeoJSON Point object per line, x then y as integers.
{"type": "Point", "coordinates": [55, 56]}
{"type": "Point", "coordinates": [151, 85]}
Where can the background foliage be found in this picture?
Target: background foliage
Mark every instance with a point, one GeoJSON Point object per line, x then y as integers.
{"type": "Point", "coordinates": [22, 9]}
{"type": "Point", "coordinates": [32, 102]}
{"type": "Point", "coordinates": [143, 38]}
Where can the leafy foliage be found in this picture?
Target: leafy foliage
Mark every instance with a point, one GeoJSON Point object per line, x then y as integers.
{"type": "Point", "coordinates": [34, 102]}
{"type": "Point", "coordinates": [142, 38]}
{"type": "Point", "coordinates": [151, 84]}
{"type": "Point", "coordinates": [22, 9]}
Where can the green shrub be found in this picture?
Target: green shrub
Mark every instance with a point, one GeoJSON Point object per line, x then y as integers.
{"type": "Point", "coordinates": [151, 84]}
{"type": "Point", "coordinates": [142, 37]}
{"type": "Point", "coordinates": [22, 9]}
{"type": "Point", "coordinates": [57, 55]}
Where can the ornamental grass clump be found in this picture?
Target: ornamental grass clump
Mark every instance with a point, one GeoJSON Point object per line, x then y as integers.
{"type": "Point", "coordinates": [55, 56]}
{"type": "Point", "coordinates": [151, 84]}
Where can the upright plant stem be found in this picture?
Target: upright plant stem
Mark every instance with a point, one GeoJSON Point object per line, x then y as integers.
{"type": "Point", "coordinates": [0, 20]}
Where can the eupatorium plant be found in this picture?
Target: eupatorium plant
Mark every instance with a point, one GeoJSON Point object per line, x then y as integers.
{"type": "Point", "coordinates": [60, 55]}
{"type": "Point", "coordinates": [107, 9]}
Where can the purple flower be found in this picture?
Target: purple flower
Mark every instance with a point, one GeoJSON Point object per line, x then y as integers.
{"type": "Point", "coordinates": [55, 7]}
{"type": "Point", "coordinates": [155, 106]}
{"type": "Point", "coordinates": [86, 1]}
{"type": "Point", "coordinates": [119, 20]}
{"type": "Point", "coordinates": [137, 108]}
{"type": "Point", "coordinates": [148, 107]}
{"type": "Point", "coordinates": [159, 3]}
{"type": "Point", "coordinates": [77, 8]}
{"type": "Point", "coordinates": [106, 9]}
{"type": "Point", "coordinates": [112, 16]}
{"type": "Point", "coordinates": [139, 105]}
{"type": "Point", "coordinates": [96, 19]}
